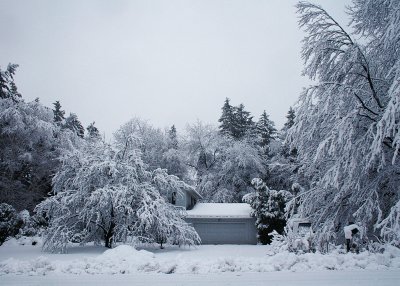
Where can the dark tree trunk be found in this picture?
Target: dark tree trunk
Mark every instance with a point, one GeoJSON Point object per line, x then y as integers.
{"type": "Point", "coordinates": [108, 237]}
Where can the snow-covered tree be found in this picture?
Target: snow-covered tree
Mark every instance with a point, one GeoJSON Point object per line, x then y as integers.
{"type": "Point", "coordinates": [158, 222]}
{"type": "Point", "coordinates": [235, 121]}
{"type": "Point", "coordinates": [173, 156]}
{"type": "Point", "coordinates": [265, 132]}
{"type": "Point", "coordinates": [224, 166]}
{"type": "Point", "coordinates": [58, 113]}
{"type": "Point", "coordinates": [227, 119]}
{"type": "Point", "coordinates": [172, 138]}
{"type": "Point", "coordinates": [347, 126]}
{"type": "Point", "coordinates": [203, 145]}
{"type": "Point", "coordinates": [72, 123]}
{"type": "Point", "coordinates": [291, 115]}
{"type": "Point", "coordinates": [30, 144]}
{"type": "Point", "coordinates": [268, 209]}
{"type": "Point", "coordinates": [8, 89]}
{"type": "Point", "coordinates": [98, 193]}
{"type": "Point", "coordinates": [151, 141]}
{"type": "Point", "coordinates": [10, 222]}
{"type": "Point", "coordinates": [93, 131]}
{"type": "Point", "coordinates": [243, 123]}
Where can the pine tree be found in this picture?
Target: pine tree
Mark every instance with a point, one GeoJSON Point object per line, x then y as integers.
{"type": "Point", "coordinates": [243, 122]}
{"type": "Point", "coordinates": [227, 119]}
{"type": "Point", "coordinates": [268, 208]}
{"type": "Point", "coordinates": [173, 160]}
{"type": "Point", "coordinates": [58, 113]}
{"type": "Point", "coordinates": [173, 138]}
{"type": "Point", "coordinates": [8, 89]}
{"type": "Point", "coordinates": [290, 118]}
{"type": "Point", "coordinates": [92, 130]}
{"type": "Point", "coordinates": [72, 123]}
{"type": "Point", "coordinates": [265, 130]}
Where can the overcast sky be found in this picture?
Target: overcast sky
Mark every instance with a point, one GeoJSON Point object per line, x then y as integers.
{"type": "Point", "coordinates": [171, 62]}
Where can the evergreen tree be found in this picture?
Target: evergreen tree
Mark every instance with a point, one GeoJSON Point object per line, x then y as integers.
{"type": "Point", "coordinates": [173, 138]}
{"type": "Point", "coordinates": [268, 208]}
{"type": "Point", "coordinates": [72, 123]}
{"type": "Point", "coordinates": [243, 122]}
{"type": "Point", "coordinates": [173, 160]}
{"type": "Point", "coordinates": [290, 118]}
{"type": "Point", "coordinates": [227, 119]}
{"type": "Point", "coordinates": [92, 130]}
{"type": "Point", "coordinates": [265, 131]}
{"type": "Point", "coordinates": [58, 113]}
{"type": "Point", "coordinates": [8, 89]}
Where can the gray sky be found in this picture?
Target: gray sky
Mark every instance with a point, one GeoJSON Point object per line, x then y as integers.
{"type": "Point", "coordinates": [171, 62]}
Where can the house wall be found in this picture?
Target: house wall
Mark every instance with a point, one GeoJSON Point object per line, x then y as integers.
{"type": "Point", "coordinates": [225, 230]}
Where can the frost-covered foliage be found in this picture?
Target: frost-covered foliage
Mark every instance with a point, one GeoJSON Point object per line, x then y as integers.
{"type": "Point", "coordinates": [265, 132]}
{"type": "Point", "coordinates": [235, 121]}
{"type": "Point", "coordinates": [102, 194]}
{"type": "Point", "coordinates": [268, 208]}
{"type": "Point", "coordinates": [158, 222]}
{"type": "Point", "coordinates": [8, 89]}
{"type": "Point", "coordinates": [72, 123]}
{"type": "Point", "coordinates": [10, 222]}
{"type": "Point", "coordinates": [224, 166]}
{"type": "Point", "coordinates": [150, 141]}
{"type": "Point", "coordinates": [30, 143]}
{"type": "Point", "coordinates": [347, 126]}
{"type": "Point", "coordinates": [159, 149]}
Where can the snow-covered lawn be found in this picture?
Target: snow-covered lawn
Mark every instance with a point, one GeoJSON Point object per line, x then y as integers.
{"type": "Point", "coordinates": [20, 264]}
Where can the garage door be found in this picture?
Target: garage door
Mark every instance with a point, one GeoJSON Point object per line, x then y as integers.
{"type": "Point", "coordinates": [222, 232]}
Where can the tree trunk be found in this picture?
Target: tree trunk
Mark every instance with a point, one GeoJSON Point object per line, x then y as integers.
{"type": "Point", "coordinates": [108, 238]}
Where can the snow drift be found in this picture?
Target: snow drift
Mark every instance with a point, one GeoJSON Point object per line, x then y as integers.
{"type": "Point", "coordinates": [126, 259]}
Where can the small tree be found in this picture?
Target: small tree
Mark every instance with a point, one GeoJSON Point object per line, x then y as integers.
{"type": "Point", "coordinates": [227, 119]}
{"type": "Point", "coordinates": [92, 131]}
{"type": "Point", "coordinates": [8, 89]}
{"type": "Point", "coordinates": [268, 208]}
{"type": "Point", "coordinates": [290, 118]}
{"type": "Point", "coordinates": [159, 222]}
{"type": "Point", "coordinates": [172, 138]}
{"type": "Point", "coordinates": [72, 122]}
{"type": "Point", "coordinates": [58, 113]}
{"type": "Point", "coordinates": [266, 132]}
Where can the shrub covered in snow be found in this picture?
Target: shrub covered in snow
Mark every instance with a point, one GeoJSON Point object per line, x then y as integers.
{"type": "Point", "coordinates": [10, 222]}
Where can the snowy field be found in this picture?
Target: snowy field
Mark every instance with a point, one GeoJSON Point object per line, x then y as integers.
{"type": "Point", "coordinates": [207, 264]}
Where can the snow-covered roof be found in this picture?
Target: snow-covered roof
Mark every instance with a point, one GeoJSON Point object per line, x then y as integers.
{"type": "Point", "coordinates": [222, 210]}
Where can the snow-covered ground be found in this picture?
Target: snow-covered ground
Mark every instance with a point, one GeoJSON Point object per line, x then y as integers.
{"type": "Point", "coordinates": [216, 264]}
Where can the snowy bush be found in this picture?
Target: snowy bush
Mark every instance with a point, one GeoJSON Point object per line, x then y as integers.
{"type": "Point", "coordinates": [10, 222]}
